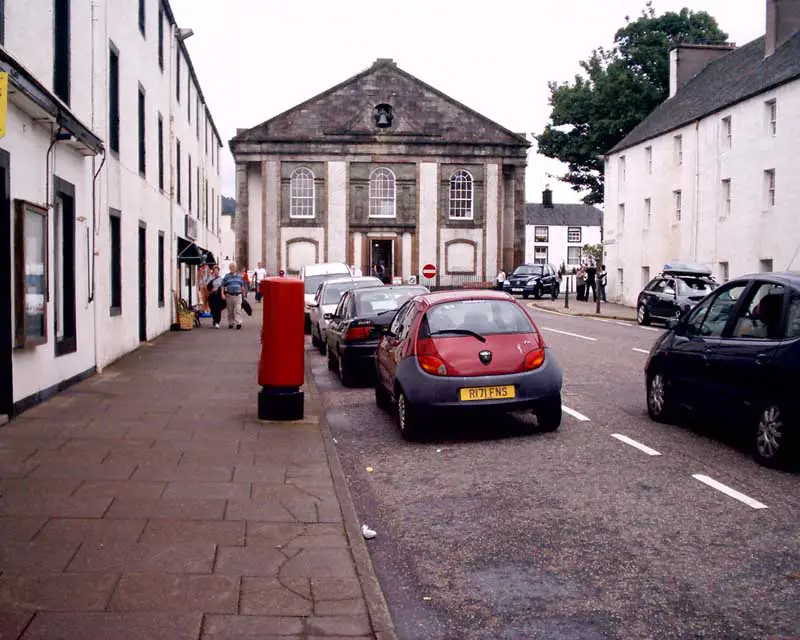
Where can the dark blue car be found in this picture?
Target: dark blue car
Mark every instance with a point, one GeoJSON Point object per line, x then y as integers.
{"type": "Point", "coordinates": [736, 355]}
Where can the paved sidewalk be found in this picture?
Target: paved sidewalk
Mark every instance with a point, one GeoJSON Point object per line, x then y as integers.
{"type": "Point", "coordinates": [608, 310]}
{"type": "Point", "coordinates": [148, 502]}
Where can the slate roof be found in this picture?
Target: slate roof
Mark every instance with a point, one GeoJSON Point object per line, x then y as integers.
{"type": "Point", "coordinates": [345, 112]}
{"type": "Point", "coordinates": [736, 76]}
{"type": "Point", "coordinates": [563, 215]}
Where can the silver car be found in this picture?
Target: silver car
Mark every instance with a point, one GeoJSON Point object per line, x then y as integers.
{"type": "Point", "coordinates": [326, 299]}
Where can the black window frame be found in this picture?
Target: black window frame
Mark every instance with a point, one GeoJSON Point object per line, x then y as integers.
{"type": "Point", "coordinates": [142, 128]}
{"type": "Point", "coordinates": [580, 235]}
{"type": "Point", "coordinates": [62, 49]}
{"type": "Point", "coordinates": [160, 152]}
{"type": "Point", "coordinates": [161, 36]}
{"type": "Point", "coordinates": [189, 190]}
{"type": "Point", "coordinates": [545, 237]}
{"type": "Point", "coordinates": [161, 268]}
{"type": "Point", "coordinates": [113, 98]}
{"type": "Point", "coordinates": [178, 74]}
{"type": "Point", "coordinates": [68, 343]}
{"type": "Point", "coordinates": [2, 22]}
{"type": "Point", "coordinates": [115, 259]}
{"type": "Point", "coordinates": [142, 19]}
{"type": "Point", "coordinates": [177, 171]}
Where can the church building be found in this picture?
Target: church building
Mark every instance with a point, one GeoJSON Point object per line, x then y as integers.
{"type": "Point", "coordinates": [382, 168]}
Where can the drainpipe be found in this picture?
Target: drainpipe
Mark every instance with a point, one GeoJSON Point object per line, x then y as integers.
{"type": "Point", "coordinates": [173, 241]}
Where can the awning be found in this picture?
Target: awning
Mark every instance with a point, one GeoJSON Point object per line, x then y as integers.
{"type": "Point", "coordinates": [189, 252]}
{"type": "Point", "coordinates": [210, 259]}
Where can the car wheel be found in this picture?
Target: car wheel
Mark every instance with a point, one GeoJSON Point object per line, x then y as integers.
{"type": "Point", "coordinates": [346, 373]}
{"type": "Point", "coordinates": [537, 292]}
{"type": "Point", "coordinates": [331, 363]}
{"type": "Point", "coordinates": [407, 418]}
{"type": "Point", "coordinates": [554, 292]}
{"type": "Point", "coordinates": [382, 399]}
{"type": "Point", "coordinates": [315, 341]}
{"type": "Point", "coordinates": [771, 445]}
{"type": "Point", "coordinates": [658, 400]}
{"type": "Point", "coordinates": [549, 415]}
{"type": "Point", "coordinates": [642, 316]}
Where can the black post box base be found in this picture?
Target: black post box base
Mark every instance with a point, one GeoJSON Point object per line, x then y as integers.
{"type": "Point", "coordinates": [280, 403]}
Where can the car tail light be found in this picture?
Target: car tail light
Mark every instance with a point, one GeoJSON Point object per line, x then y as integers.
{"type": "Point", "coordinates": [429, 358]}
{"type": "Point", "coordinates": [534, 359]}
{"type": "Point", "coordinates": [358, 333]}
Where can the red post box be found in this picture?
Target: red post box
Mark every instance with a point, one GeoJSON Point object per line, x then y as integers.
{"type": "Point", "coordinates": [281, 369]}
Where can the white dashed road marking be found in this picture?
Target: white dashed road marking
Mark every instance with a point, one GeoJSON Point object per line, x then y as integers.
{"type": "Point", "coordinates": [641, 350]}
{"type": "Point", "coordinates": [567, 333]}
{"type": "Point", "coordinates": [755, 504]}
{"type": "Point", "coordinates": [601, 320]}
{"type": "Point", "coordinates": [574, 414]}
{"type": "Point", "coordinates": [634, 443]}
{"type": "Point", "coordinates": [648, 328]}
{"type": "Point", "coordinates": [622, 324]}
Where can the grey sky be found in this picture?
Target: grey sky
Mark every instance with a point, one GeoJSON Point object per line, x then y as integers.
{"type": "Point", "coordinates": [257, 58]}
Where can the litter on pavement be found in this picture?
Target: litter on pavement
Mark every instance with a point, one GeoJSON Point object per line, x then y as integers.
{"type": "Point", "coordinates": [368, 533]}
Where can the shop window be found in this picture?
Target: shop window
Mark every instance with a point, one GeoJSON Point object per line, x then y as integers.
{"type": "Point", "coordinates": [30, 265]}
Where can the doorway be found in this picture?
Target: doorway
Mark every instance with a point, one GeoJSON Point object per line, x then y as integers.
{"type": "Point", "coordinates": [142, 282]}
{"type": "Point", "coordinates": [380, 253]}
{"type": "Point", "coordinates": [6, 273]}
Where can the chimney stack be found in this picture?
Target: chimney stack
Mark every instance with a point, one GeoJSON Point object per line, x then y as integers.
{"type": "Point", "coordinates": [687, 60]}
{"type": "Point", "coordinates": [783, 21]}
{"type": "Point", "coordinates": [547, 198]}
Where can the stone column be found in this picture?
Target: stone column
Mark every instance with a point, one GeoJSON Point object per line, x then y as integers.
{"type": "Point", "coordinates": [427, 236]}
{"type": "Point", "coordinates": [242, 222]}
{"type": "Point", "coordinates": [519, 214]}
{"type": "Point", "coordinates": [272, 213]}
{"type": "Point", "coordinates": [492, 214]}
{"type": "Point", "coordinates": [337, 211]}
{"type": "Point", "coordinates": [508, 219]}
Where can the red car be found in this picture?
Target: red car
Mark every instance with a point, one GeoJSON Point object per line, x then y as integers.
{"type": "Point", "coordinates": [466, 351]}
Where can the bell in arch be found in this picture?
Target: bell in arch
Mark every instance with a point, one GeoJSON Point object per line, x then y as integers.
{"type": "Point", "coordinates": [383, 116]}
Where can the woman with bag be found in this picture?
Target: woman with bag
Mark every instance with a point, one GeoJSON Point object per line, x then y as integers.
{"type": "Point", "coordinates": [216, 296]}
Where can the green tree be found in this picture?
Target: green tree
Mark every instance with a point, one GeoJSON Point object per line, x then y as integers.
{"type": "Point", "coordinates": [593, 251]}
{"type": "Point", "coordinates": [617, 90]}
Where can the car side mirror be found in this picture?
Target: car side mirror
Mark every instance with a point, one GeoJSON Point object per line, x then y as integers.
{"type": "Point", "coordinates": [328, 316]}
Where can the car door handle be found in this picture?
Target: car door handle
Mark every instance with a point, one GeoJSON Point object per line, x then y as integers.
{"type": "Point", "coordinates": [760, 358]}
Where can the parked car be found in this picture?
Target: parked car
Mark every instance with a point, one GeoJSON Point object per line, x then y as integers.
{"type": "Point", "coordinates": [314, 275]}
{"type": "Point", "coordinates": [533, 280]}
{"type": "Point", "coordinates": [327, 298]}
{"type": "Point", "coordinates": [355, 327]}
{"type": "Point", "coordinates": [674, 291]}
{"type": "Point", "coordinates": [736, 355]}
{"type": "Point", "coordinates": [466, 351]}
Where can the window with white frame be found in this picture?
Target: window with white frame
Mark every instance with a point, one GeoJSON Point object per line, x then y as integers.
{"type": "Point", "coordinates": [573, 234]}
{"type": "Point", "coordinates": [724, 272]}
{"type": "Point", "coordinates": [648, 159]}
{"type": "Point", "coordinates": [648, 212]}
{"type": "Point", "coordinates": [382, 193]}
{"type": "Point", "coordinates": [621, 164]}
{"type": "Point", "coordinates": [769, 188]}
{"type": "Point", "coordinates": [573, 256]}
{"type": "Point", "coordinates": [620, 218]}
{"type": "Point", "coordinates": [301, 193]}
{"type": "Point", "coordinates": [727, 132]}
{"type": "Point", "coordinates": [726, 196]}
{"type": "Point", "coordinates": [677, 201]}
{"type": "Point", "coordinates": [461, 195]}
{"type": "Point", "coordinates": [772, 117]}
{"type": "Point", "coordinates": [539, 255]}
{"type": "Point", "coordinates": [678, 143]}
{"type": "Point", "coordinates": [541, 234]}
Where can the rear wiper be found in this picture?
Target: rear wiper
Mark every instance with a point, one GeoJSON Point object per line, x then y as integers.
{"type": "Point", "coordinates": [462, 332]}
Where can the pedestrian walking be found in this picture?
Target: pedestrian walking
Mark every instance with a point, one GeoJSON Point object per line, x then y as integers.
{"type": "Point", "coordinates": [260, 274]}
{"type": "Point", "coordinates": [234, 287]}
{"type": "Point", "coordinates": [580, 281]}
{"type": "Point", "coordinates": [246, 277]}
{"type": "Point", "coordinates": [602, 281]}
{"type": "Point", "coordinates": [216, 296]}
{"type": "Point", "coordinates": [501, 278]}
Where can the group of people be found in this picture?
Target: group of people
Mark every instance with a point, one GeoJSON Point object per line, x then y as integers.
{"type": "Point", "coordinates": [590, 278]}
{"type": "Point", "coordinates": [228, 292]}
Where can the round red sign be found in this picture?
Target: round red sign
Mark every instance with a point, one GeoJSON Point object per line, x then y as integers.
{"type": "Point", "coordinates": [429, 271]}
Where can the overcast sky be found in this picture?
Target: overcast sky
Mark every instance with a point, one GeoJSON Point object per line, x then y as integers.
{"type": "Point", "coordinates": [257, 58]}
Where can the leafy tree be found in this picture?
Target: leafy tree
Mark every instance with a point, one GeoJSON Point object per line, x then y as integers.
{"type": "Point", "coordinates": [618, 89]}
{"type": "Point", "coordinates": [228, 206]}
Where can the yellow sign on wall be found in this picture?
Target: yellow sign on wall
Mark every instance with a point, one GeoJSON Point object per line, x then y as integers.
{"type": "Point", "coordinates": [3, 101]}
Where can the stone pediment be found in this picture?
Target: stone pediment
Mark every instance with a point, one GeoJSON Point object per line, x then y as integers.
{"type": "Point", "coordinates": [347, 112]}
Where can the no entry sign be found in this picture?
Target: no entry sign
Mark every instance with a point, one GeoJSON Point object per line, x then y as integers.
{"type": "Point", "coordinates": [429, 271]}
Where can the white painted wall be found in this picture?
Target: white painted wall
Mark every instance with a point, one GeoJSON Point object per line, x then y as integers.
{"type": "Point", "coordinates": [557, 244]}
{"type": "Point", "coordinates": [707, 233]}
{"type": "Point", "coordinates": [428, 213]}
{"type": "Point", "coordinates": [102, 338]}
{"type": "Point", "coordinates": [337, 211]}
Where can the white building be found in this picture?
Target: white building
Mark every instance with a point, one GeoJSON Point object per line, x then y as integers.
{"type": "Point", "coordinates": [557, 233]}
{"type": "Point", "coordinates": [109, 169]}
{"type": "Point", "coordinates": [711, 175]}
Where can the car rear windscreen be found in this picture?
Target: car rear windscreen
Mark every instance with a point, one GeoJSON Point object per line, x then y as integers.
{"type": "Point", "coordinates": [311, 283]}
{"type": "Point", "coordinates": [334, 291]}
{"type": "Point", "coordinates": [380, 300]}
{"type": "Point", "coordinates": [695, 286]}
{"type": "Point", "coordinates": [480, 316]}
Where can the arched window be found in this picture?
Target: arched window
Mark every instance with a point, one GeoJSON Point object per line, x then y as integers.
{"type": "Point", "coordinates": [301, 194]}
{"type": "Point", "coordinates": [382, 193]}
{"type": "Point", "coordinates": [461, 195]}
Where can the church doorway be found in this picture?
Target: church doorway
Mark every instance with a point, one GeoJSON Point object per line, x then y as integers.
{"type": "Point", "coordinates": [380, 255]}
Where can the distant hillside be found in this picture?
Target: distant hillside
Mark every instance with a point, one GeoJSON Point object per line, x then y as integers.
{"type": "Point", "coordinates": [228, 206]}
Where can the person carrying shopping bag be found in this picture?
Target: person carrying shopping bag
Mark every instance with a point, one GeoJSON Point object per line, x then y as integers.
{"type": "Point", "coordinates": [234, 286]}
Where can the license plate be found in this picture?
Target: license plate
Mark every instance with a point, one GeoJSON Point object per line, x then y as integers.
{"type": "Point", "coordinates": [518, 290]}
{"type": "Point", "coordinates": [468, 394]}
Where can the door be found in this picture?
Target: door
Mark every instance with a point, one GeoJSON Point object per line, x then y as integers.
{"type": "Point", "coordinates": [338, 323]}
{"type": "Point", "coordinates": [689, 360]}
{"type": "Point", "coordinates": [381, 259]}
{"type": "Point", "coordinates": [662, 302]}
{"type": "Point", "coordinates": [142, 283]}
{"type": "Point", "coordinates": [6, 273]}
{"type": "Point", "coordinates": [742, 364]}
